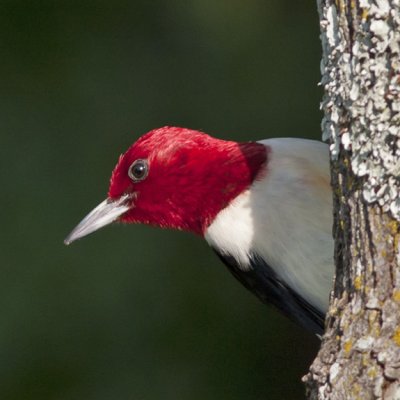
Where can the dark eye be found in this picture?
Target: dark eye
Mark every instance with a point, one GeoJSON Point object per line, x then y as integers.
{"type": "Point", "coordinates": [138, 170]}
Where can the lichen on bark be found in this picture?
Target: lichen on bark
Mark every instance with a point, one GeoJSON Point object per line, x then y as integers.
{"type": "Point", "coordinates": [361, 77]}
{"type": "Point", "coordinates": [360, 352]}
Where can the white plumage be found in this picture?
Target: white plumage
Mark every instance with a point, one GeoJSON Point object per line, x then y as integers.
{"type": "Point", "coordinates": [286, 218]}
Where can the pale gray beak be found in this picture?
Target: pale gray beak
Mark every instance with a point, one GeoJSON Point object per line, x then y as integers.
{"type": "Point", "coordinates": [105, 213]}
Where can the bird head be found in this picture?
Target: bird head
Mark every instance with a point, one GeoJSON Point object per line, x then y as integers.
{"type": "Point", "coordinates": [175, 178]}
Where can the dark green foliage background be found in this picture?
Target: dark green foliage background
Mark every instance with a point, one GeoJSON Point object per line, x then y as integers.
{"type": "Point", "coordinates": [135, 312]}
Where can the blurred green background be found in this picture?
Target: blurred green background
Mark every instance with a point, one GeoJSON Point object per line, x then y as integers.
{"type": "Point", "coordinates": [135, 312]}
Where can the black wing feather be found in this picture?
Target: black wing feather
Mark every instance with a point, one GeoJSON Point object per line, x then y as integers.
{"type": "Point", "coordinates": [263, 281]}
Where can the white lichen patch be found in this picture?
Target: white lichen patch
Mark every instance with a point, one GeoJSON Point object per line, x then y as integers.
{"type": "Point", "coordinates": [361, 78]}
{"type": "Point", "coordinates": [334, 370]}
{"type": "Point", "coordinates": [364, 343]}
{"type": "Point", "coordinates": [392, 392]}
{"type": "Point", "coordinates": [380, 29]}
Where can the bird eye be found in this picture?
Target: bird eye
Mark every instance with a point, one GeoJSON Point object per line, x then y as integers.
{"type": "Point", "coordinates": [138, 170]}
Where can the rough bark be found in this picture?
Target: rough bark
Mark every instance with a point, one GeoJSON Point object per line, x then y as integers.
{"type": "Point", "coordinates": [360, 352]}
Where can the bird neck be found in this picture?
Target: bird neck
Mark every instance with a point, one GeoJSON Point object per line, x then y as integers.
{"type": "Point", "coordinates": [221, 176]}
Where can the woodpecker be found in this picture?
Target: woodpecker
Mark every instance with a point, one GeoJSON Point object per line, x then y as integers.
{"type": "Point", "coordinates": [264, 207]}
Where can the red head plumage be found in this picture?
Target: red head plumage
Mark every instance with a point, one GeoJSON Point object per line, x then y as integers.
{"type": "Point", "coordinates": [191, 176]}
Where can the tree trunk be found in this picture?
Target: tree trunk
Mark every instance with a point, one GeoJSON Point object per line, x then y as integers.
{"type": "Point", "coordinates": [360, 353]}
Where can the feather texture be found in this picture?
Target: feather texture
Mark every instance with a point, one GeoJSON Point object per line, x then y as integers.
{"type": "Point", "coordinates": [286, 219]}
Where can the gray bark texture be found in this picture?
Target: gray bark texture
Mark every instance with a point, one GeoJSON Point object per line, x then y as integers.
{"type": "Point", "coordinates": [360, 352]}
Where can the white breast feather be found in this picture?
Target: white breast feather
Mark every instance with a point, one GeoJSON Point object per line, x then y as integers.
{"type": "Point", "coordinates": [286, 218]}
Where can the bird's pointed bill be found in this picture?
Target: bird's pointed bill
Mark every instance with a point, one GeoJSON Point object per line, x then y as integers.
{"type": "Point", "coordinates": [105, 213]}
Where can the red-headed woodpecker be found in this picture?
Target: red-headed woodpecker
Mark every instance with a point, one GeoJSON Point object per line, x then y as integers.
{"type": "Point", "coordinates": [264, 207]}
